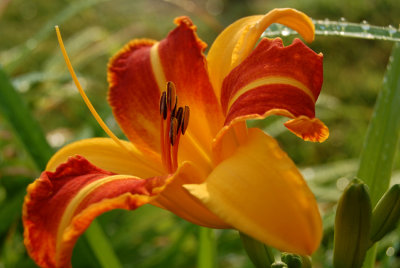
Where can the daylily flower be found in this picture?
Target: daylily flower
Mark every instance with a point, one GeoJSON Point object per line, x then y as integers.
{"type": "Point", "coordinates": [214, 171]}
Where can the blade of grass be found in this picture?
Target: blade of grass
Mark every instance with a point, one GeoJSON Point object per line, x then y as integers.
{"type": "Point", "coordinates": [99, 243]}
{"type": "Point", "coordinates": [25, 126]}
{"type": "Point", "coordinates": [380, 144]}
{"type": "Point", "coordinates": [28, 130]}
{"type": "Point", "coordinates": [26, 49]}
{"type": "Point", "coordinates": [342, 29]}
{"type": "Point", "coordinates": [206, 256]}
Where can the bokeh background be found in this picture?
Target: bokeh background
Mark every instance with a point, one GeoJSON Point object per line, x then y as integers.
{"type": "Point", "coordinates": [94, 30]}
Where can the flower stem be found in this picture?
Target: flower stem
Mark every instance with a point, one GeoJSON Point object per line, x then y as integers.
{"type": "Point", "coordinates": [207, 249]}
{"type": "Point", "coordinates": [101, 247]}
{"type": "Point", "coordinates": [259, 254]}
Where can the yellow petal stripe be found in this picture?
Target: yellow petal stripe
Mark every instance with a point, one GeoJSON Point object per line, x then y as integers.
{"type": "Point", "coordinates": [157, 67]}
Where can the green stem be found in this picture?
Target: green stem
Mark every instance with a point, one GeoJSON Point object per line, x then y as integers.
{"type": "Point", "coordinates": [207, 249]}
{"type": "Point", "coordinates": [101, 247]}
{"type": "Point", "coordinates": [16, 112]}
{"type": "Point", "coordinates": [369, 261]}
{"type": "Point", "coordinates": [25, 126]}
{"type": "Point", "coordinates": [260, 255]}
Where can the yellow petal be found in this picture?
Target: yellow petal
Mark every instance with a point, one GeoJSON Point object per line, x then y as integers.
{"type": "Point", "coordinates": [236, 42]}
{"type": "Point", "coordinates": [259, 191]}
{"type": "Point", "coordinates": [106, 154]}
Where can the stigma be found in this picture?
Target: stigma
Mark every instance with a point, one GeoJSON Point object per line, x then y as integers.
{"type": "Point", "coordinates": [174, 122]}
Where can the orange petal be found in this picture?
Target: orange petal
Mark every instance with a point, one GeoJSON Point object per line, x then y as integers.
{"type": "Point", "coordinates": [177, 200]}
{"type": "Point", "coordinates": [274, 80]}
{"type": "Point", "coordinates": [60, 206]}
{"type": "Point", "coordinates": [237, 41]}
{"type": "Point", "coordinates": [259, 191]}
{"type": "Point", "coordinates": [308, 129]}
{"type": "Point", "coordinates": [138, 74]}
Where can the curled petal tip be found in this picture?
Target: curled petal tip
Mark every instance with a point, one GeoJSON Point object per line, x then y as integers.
{"type": "Point", "coordinates": [309, 129]}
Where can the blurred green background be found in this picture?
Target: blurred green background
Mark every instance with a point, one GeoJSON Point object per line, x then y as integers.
{"type": "Point", "coordinates": [94, 30]}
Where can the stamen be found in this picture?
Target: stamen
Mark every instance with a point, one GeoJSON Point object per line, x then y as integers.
{"type": "Point", "coordinates": [163, 105]}
{"type": "Point", "coordinates": [84, 97]}
{"type": "Point", "coordinates": [185, 121]}
{"type": "Point", "coordinates": [174, 122]}
{"type": "Point", "coordinates": [179, 116]}
{"type": "Point", "coordinates": [173, 130]}
{"type": "Point", "coordinates": [171, 95]}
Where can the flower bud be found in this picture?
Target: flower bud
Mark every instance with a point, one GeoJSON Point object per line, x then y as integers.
{"type": "Point", "coordinates": [292, 260]}
{"type": "Point", "coordinates": [352, 226]}
{"type": "Point", "coordinates": [386, 214]}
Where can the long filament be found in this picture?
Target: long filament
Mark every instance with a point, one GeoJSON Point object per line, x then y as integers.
{"type": "Point", "coordinates": [84, 97]}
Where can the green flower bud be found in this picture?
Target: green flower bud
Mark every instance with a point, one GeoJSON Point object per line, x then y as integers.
{"type": "Point", "coordinates": [386, 214]}
{"type": "Point", "coordinates": [352, 226]}
{"type": "Point", "coordinates": [292, 260]}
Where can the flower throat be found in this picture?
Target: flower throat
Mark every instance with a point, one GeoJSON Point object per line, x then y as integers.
{"type": "Point", "coordinates": [174, 122]}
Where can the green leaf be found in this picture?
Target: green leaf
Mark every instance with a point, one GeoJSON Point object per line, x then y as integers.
{"type": "Point", "coordinates": [341, 28]}
{"type": "Point", "coordinates": [25, 126]}
{"type": "Point", "coordinates": [380, 144]}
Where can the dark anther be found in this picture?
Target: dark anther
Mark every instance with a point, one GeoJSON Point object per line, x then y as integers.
{"type": "Point", "coordinates": [172, 130]}
{"type": "Point", "coordinates": [174, 109]}
{"type": "Point", "coordinates": [179, 116]}
{"type": "Point", "coordinates": [171, 95]}
{"type": "Point", "coordinates": [185, 119]}
{"type": "Point", "coordinates": [163, 105]}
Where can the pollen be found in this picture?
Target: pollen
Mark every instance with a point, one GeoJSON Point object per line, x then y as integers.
{"type": "Point", "coordinates": [174, 122]}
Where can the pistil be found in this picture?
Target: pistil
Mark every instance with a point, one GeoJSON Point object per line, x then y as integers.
{"type": "Point", "coordinates": [174, 122]}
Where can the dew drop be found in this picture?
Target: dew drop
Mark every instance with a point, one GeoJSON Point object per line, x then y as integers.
{"type": "Point", "coordinates": [342, 19]}
{"type": "Point", "coordinates": [365, 26]}
{"type": "Point", "coordinates": [390, 251]}
{"type": "Point", "coordinates": [391, 30]}
{"type": "Point", "coordinates": [285, 32]}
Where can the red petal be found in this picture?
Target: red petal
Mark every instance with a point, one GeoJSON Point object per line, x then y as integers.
{"type": "Point", "coordinates": [138, 74]}
{"type": "Point", "coordinates": [134, 94]}
{"type": "Point", "coordinates": [60, 206]}
{"type": "Point", "coordinates": [274, 80]}
{"type": "Point", "coordinates": [181, 54]}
